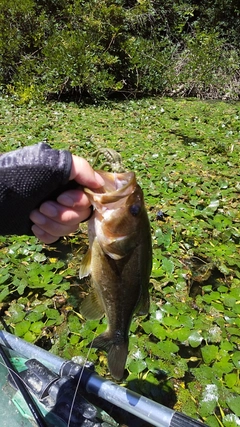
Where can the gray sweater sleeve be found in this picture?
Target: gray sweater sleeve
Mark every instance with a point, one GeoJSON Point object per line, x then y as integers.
{"type": "Point", "coordinates": [29, 176]}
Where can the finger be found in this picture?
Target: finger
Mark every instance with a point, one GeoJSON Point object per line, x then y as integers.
{"type": "Point", "coordinates": [53, 227]}
{"type": "Point", "coordinates": [74, 198]}
{"type": "Point", "coordinates": [43, 236]}
{"type": "Point", "coordinates": [49, 215]}
{"type": "Point", "coordinates": [84, 174]}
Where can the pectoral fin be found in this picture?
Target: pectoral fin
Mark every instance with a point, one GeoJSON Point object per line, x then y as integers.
{"type": "Point", "coordinates": [92, 307]}
{"type": "Point", "coordinates": [85, 267]}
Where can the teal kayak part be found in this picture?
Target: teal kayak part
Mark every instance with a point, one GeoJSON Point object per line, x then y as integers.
{"type": "Point", "coordinates": [52, 395]}
{"type": "Point", "coordinates": [145, 409]}
{"type": "Point", "coordinates": [15, 377]}
{"type": "Point", "coordinates": [10, 415]}
{"type": "Point", "coordinates": [13, 407]}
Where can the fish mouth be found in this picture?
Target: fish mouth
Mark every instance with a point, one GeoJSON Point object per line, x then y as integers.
{"type": "Point", "coordinates": [117, 186]}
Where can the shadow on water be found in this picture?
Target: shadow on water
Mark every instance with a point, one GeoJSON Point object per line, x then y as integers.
{"type": "Point", "coordinates": [161, 392]}
{"type": "Point", "coordinates": [66, 249]}
{"type": "Point", "coordinates": [188, 140]}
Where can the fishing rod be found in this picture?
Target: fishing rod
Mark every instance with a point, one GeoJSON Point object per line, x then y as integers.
{"type": "Point", "coordinates": [154, 413]}
{"type": "Point", "coordinates": [37, 415]}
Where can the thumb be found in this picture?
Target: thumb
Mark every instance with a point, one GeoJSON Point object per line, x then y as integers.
{"type": "Point", "coordinates": [84, 174]}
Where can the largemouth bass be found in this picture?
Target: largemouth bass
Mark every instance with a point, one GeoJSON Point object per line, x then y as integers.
{"type": "Point", "coordinates": [119, 260]}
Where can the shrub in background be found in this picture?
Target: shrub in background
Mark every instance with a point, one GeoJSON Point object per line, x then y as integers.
{"type": "Point", "coordinates": [97, 48]}
{"type": "Point", "coordinates": [207, 67]}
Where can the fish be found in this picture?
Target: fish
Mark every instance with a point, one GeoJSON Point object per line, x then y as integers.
{"type": "Point", "coordinates": [119, 260]}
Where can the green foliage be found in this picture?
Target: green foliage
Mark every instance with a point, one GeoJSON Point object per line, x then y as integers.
{"type": "Point", "coordinates": [206, 67]}
{"type": "Point", "coordinates": [22, 33]}
{"type": "Point", "coordinates": [75, 48]}
{"type": "Point", "coordinates": [25, 267]}
{"type": "Point", "coordinates": [185, 153]}
{"type": "Point", "coordinates": [32, 270]}
{"type": "Point", "coordinates": [225, 18]}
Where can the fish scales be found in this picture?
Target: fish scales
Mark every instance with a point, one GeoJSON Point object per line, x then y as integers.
{"type": "Point", "coordinates": [119, 261]}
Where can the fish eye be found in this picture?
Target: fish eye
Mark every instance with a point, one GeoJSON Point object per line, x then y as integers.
{"type": "Point", "coordinates": [135, 209]}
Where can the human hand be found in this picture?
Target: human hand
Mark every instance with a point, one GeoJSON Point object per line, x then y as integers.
{"type": "Point", "coordinates": [59, 218]}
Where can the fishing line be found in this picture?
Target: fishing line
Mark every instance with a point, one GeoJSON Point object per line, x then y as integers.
{"type": "Point", "coordinates": [10, 370]}
{"type": "Point", "coordinates": [22, 387]}
{"type": "Point", "coordinates": [20, 384]}
{"type": "Point", "coordinates": [78, 383]}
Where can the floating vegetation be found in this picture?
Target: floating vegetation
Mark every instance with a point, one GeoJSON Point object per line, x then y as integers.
{"type": "Point", "coordinates": [186, 352]}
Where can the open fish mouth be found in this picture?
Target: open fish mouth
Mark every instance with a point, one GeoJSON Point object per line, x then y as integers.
{"type": "Point", "coordinates": [116, 188]}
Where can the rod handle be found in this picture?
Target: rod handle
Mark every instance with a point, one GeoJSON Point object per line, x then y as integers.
{"type": "Point", "coordinates": [182, 420]}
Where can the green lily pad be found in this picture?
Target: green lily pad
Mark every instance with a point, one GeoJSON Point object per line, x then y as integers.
{"type": "Point", "coordinates": [168, 265]}
{"type": "Point", "coordinates": [195, 339]}
{"type": "Point", "coordinates": [231, 379]}
{"type": "Point", "coordinates": [17, 313]}
{"type": "Point", "coordinates": [37, 327]}
{"type": "Point", "coordinates": [34, 316]}
{"type": "Point", "coordinates": [209, 353]}
{"type": "Point", "coordinates": [209, 400]}
{"type": "Point", "coordinates": [168, 347]}
{"type": "Point", "coordinates": [159, 331]}
{"type": "Point", "coordinates": [231, 420]}
{"type": "Point", "coordinates": [22, 327]}
{"type": "Point", "coordinates": [234, 404]}
{"type": "Point", "coordinates": [137, 366]}
{"type": "Point", "coordinates": [236, 359]}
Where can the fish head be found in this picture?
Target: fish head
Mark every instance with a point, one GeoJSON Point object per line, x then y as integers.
{"type": "Point", "coordinates": [118, 213]}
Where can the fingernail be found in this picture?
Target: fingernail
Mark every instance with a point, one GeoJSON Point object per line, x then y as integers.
{"type": "Point", "coordinates": [65, 200]}
{"type": "Point", "coordinates": [99, 179]}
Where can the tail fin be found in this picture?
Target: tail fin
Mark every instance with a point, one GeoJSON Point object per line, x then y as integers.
{"type": "Point", "coordinates": [117, 354]}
